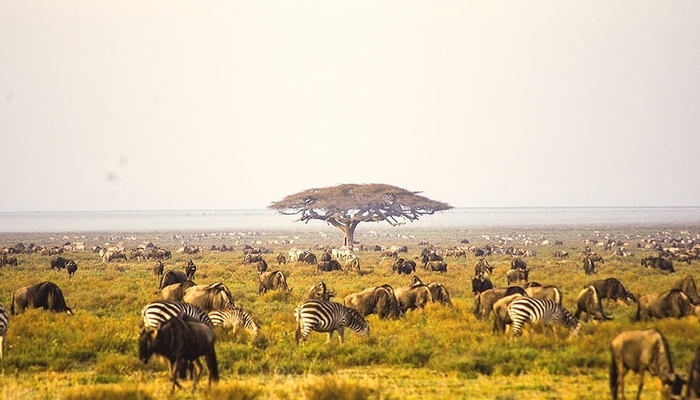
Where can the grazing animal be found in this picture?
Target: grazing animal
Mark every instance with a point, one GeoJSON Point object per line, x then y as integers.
{"type": "Point", "coordinates": [176, 291]}
{"type": "Point", "coordinates": [7, 260]}
{"type": "Point", "coordinates": [413, 297]}
{"type": "Point", "coordinates": [669, 304]}
{"type": "Point", "coordinates": [518, 263]}
{"type": "Point", "coordinates": [545, 292]}
{"type": "Point", "coordinates": [440, 294]}
{"type": "Point", "coordinates": [4, 324]}
{"type": "Point", "coordinates": [327, 316]}
{"type": "Point", "coordinates": [327, 266]}
{"type": "Point", "coordinates": [59, 263]}
{"type": "Point", "coordinates": [526, 309]}
{"type": "Point", "coordinates": [181, 341]}
{"type": "Point", "coordinates": [500, 313]}
{"type": "Point", "coordinates": [281, 259]}
{"type": "Point", "coordinates": [589, 266]}
{"type": "Point", "coordinates": [687, 286]}
{"type": "Point", "coordinates": [72, 268]}
{"type": "Point", "coordinates": [171, 277]}
{"type": "Point", "coordinates": [661, 263]}
{"type": "Point", "coordinates": [352, 264]}
{"type": "Point", "coordinates": [436, 266]}
{"type": "Point", "coordinates": [484, 301]}
{"type": "Point", "coordinates": [320, 291]}
{"type": "Point", "coordinates": [46, 295]}
{"type": "Point", "coordinates": [158, 268]}
{"type": "Point", "coordinates": [272, 280]}
{"type": "Point", "coordinates": [155, 313]}
{"type": "Point", "coordinates": [612, 289]}
{"type": "Point", "coordinates": [234, 319]}
{"type": "Point", "coordinates": [483, 267]}
{"type": "Point", "coordinates": [261, 266]}
{"type": "Point", "coordinates": [517, 275]}
{"type": "Point", "coordinates": [378, 300]}
{"type": "Point", "coordinates": [403, 266]}
{"type": "Point", "coordinates": [209, 297]}
{"type": "Point", "coordinates": [588, 301]}
{"type": "Point", "coordinates": [481, 283]}
{"type": "Point", "coordinates": [642, 351]}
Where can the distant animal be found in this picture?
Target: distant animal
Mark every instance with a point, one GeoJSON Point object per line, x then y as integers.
{"type": "Point", "coordinates": [661, 263]}
{"type": "Point", "coordinates": [7, 260]}
{"type": "Point", "coordinates": [272, 280]}
{"type": "Point", "coordinates": [59, 263]}
{"type": "Point", "coordinates": [440, 294]}
{"type": "Point", "coordinates": [46, 295]}
{"type": "Point", "coordinates": [327, 316]}
{"type": "Point", "coordinates": [436, 266]}
{"type": "Point", "coordinates": [320, 291]}
{"type": "Point", "coordinates": [669, 304]}
{"type": "Point", "coordinates": [158, 268]}
{"type": "Point", "coordinates": [641, 351]}
{"type": "Point", "coordinates": [589, 266]}
{"type": "Point", "coordinates": [281, 259]}
{"type": "Point", "coordinates": [327, 266]}
{"type": "Point", "coordinates": [181, 341]}
{"type": "Point", "coordinates": [413, 297]}
{"type": "Point", "coordinates": [517, 275]}
{"type": "Point", "coordinates": [612, 289]}
{"type": "Point", "coordinates": [518, 263]}
{"type": "Point", "coordinates": [261, 266]}
{"type": "Point", "coordinates": [72, 268]}
{"type": "Point", "coordinates": [190, 269]}
{"type": "Point", "coordinates": [561, 254]}
{"type": "Point", "coordinates": [524, 310]}
{"type": "Point", "coordinates": [209, 297]}
{"type": "Point", "coordinates": [588, 301]}
{"type": "Point", "coordinates": [403, 266]}
{"type": "Point", "coordinates": [4, 324]}
{"type": "Point", "coordinates": [687, 286]}
{"type": "Point", "coordinates": [545, 292]}
{"type": "Point", "coordinates": [484, 301]}
{"type": "Point", "coordinates": [352, 264]}
{"type": "Point", "coordinates": [234, 319]}
{"type": "Point", "coordinates": [176, 291]}
{"type": "Point", "coordinates": [378, 300]}
{"type": "Point", "coordinates": [482, 267]}
{"type": "Point", "coordinates": [481, 283]}
{"type": "Point", "coordinates": [155, 313]}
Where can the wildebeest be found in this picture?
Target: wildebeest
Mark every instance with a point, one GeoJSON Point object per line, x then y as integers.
{"type": "Point", "coordinates": [172, 276]}
{"type": "Point", "coordinates": [661, 263]}
{"type": "Point", "coordinates": [352, 264]}
{"type": "Point", "coordinates": [518, 263]}
{"type": "Point", "coordinates": [46, 295]}
{"type": "Point", "coordinates": [209, 297]}
{"type": "Point", "coordinates": [176, 291]}
{"type": "Point", "coordinates": [517, 275]}
{"type": "Point", "coordinates": [481, 283]}
{"type": "Point", "coordinates": [589, 266]}
{"type": "Point", "coordinates": [612, 289]}
{"type": "Point", "coordinates": [588, 301]}
{"type": "Point", "coordinates": [181, 341]}
{"type": "Point", "coordinates": [413, 297]}
{"type": "Point", "coordinates": [642, 351]}
{"type": "Point", "coordinates": [438, 291]}
{"type": "Point", "coordinates": [669, 304]}
{"type": "Point", "coordinates": [378, 300]}
{"type": "Point", "coordinates": [320, 291]}
{"type": "Point", "coordinates": [436, 266]}
{"type": "Point", "coordinates": [72, 268]}
{"type": "Point", "coordinates": [158, 268]}
{"type": "Point", "coordinates": [687, 286]}
{"type": "Point", "coordinates": [281, 259]}
{"type": "Point", "coordinates": [59, 263]}
{"type": "Point", "coordinates": [482, 267]}
{"type": "Point", "coordinates": [327, 266]}
{"type": "Point", "coordinates": [272, 280]}
{"type": "Point", "coordinates": [403, 266]}
{"type": "Point", "coordinates": [545, 292]}
{"type": "Point", "coordinates": [484, 301]}
{"type": "Point", "coordinates": [261, 266]}
{"type": "Point", "coordinates": [7, 260]}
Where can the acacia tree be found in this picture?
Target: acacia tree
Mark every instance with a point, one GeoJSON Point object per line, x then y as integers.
{"type": "Point", "coordinates": [345, 206]}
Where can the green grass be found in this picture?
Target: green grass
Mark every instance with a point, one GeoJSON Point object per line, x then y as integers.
{"type": "Point", "coordinates": [436, 353]}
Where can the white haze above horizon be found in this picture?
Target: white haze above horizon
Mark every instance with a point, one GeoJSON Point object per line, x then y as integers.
{"type": "Point", "coordinates": [167, 105]}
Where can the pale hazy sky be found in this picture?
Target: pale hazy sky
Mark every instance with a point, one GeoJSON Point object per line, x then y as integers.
{"type": "Point", "coordinates": [120, 105]}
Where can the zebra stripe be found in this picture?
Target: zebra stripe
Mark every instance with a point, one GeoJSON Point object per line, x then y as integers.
{"type": "Point", "coordinates": [327, 316]}
{"type": "Point", "coordinates": [156, 312]}
{"type": "Point", "coordinates": [234, 319]}
{"type": "Point", "coordinates": [4, 324]}
{"type": "Point", "coordinates": [532, 310]}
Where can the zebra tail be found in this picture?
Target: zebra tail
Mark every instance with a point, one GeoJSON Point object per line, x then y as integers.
{"type": "Point", "coordinates": [613, 379]}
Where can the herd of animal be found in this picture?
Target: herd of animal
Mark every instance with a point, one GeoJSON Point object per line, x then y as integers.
{"type": "Point", "coordinates": [180, 325]}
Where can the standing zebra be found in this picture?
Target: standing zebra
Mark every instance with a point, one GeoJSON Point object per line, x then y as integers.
{"type": "Point", "coordinates": [327, 316]}
{"type": "Point", "coordinates": [528, 309]}
{"type": "Point", "coordinates": [234, 319]}
{"type": "Point", "coordinates": [4, 323]}
{"type": "Point", "coordinates": [159, 311]}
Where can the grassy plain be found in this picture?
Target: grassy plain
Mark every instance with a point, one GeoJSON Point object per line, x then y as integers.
{"type": "Point", "coordinates": [437, 353]}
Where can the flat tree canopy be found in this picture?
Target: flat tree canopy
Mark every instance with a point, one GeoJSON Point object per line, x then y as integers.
{"type": "Point", "coordinates": [345, 206]}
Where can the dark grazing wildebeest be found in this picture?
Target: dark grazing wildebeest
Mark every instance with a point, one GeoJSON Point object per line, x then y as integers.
{"type": "Point", "coordinates": [517, 275]}
{"type": "Point", "coordinates": [281, 259]}
{"type": "Point", "coordinates": [320, 291]}
{"type": "Point", "coordinates": [481, 283]}
{"type": "Point", "coordinates": [589, 266]}
{"type": "Point", "coordinates": [661, 263]}
{"type": "Point", "coordinates": [45, 295]}
{"type": "Point", "coordinates": [327, 266]}
{"type": "Point", "coordinates": [209, 297]}
{"type": "Point", "coordinates": [176, 291]}
{"type": "Point", "coordinates": [518, 263]}
{"type": "Point", "coordinates": [612, 289]}
{"type": "Point", "coordinates": [158, 268]}
{"type": "Point", "coordinates": [693, 391]}
{"type": "Point", "coordinates": [436, 266]}
{"type": "Point", "coordinates": [378, 300]}
{"type": "Point", "coordinates": [413, 297]}
{"type": "Point", "coordinates": [440, 294]}
{"type": "Point", "coordinates": [272, 280]}
{"type": "Point", "coordinates": [482, 267]}
{"type": "Point", "coordinates": [59, 263]}
{"type": "Point", "coordinates": [403, 266]}
{"type": "Point", "coordinates": [545, 292]}
{"type": "Point", "coordinates": [261, 266]}
{"type": "Point", "coordinates": [181, 341]}
{"type": "Point", "coordinates": [588, 301]}
{"type": "Point", "coordinates": [171, 277]}
{"type": "Point", "coordinates": [669, 304]}
{"type": "Point", "coordinates": [484, 301]}
{"type": "Point", "coordinates": [72, 268]}
{"type": "Point", "coordinates": [687, 286]}
{"type": "Point", "coordinates": [642, 351]}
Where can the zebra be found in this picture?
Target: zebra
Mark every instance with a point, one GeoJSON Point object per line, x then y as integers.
{"type": "Point", "coordinates": [4, 324]}
{"type": "Point", "coordinates": [528, 309]}
{"type": "Point", "coordinates": [234, 319]}
{"type": "Point", "coordinates": [327, 316]}
{"type": "Point", "coordinates": [156, 312]}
